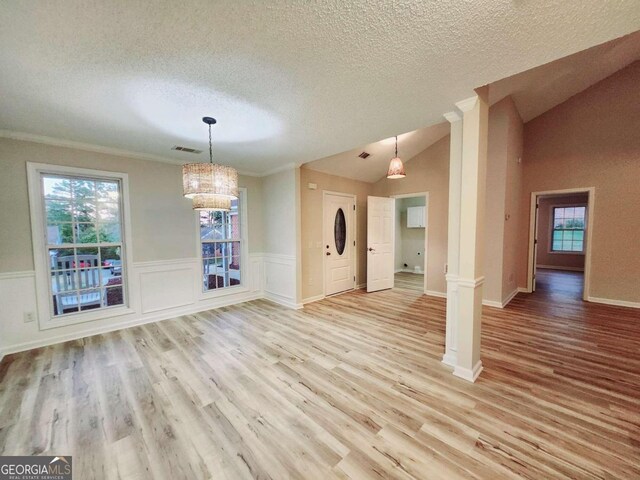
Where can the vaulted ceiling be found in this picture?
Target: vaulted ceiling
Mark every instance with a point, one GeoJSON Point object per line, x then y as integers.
{"type": "Point", "coordinates": [288, 81]}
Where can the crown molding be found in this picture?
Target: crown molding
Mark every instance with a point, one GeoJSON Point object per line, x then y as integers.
{"type": "Point", "coordinates": [89, 147]}
{"type": "Point", "coordinates": [288, 166]}
{"type": "Point", "coordinates": [467, 104]}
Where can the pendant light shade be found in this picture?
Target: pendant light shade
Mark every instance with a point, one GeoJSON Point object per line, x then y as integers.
{"type": "Point", "coordinates": [211, 202]}
{"type": "Point", "coordinates": [209, 179]}
{"type": "Point", "coordinates": [396, 168]}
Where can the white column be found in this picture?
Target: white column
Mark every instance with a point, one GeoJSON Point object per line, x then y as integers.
{"type": "Point", "coordinates": [453, 236]}
{"type": "Point", "coordinates": [472, 199]}
{"type": "Point", "coordinates": [467, 201]}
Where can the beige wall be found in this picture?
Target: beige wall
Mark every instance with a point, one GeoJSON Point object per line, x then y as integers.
{"type": "Point", "coordinates": [409, 241]}
{"type": "Point", "coordinates": [545, 258]}
{"type": "Point", "coordinates": [593, 140]}
{"type": "Point", "coordinates": [162, 222]}
{"type": "Point", "coordinates": [503, 195]}
{"type": "Point", "coordinates": [311, 221]}
{"type": "Point", "coordinates": [428, 172]}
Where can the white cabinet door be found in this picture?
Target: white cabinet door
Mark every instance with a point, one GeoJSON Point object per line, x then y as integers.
{"type": "Point", "coordinates": [415, 217]}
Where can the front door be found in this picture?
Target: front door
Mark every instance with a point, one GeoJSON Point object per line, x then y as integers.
{"type": "Point", "coordinates": [381, 212]}
{"type": "Point", "coordinates": [339, 243]}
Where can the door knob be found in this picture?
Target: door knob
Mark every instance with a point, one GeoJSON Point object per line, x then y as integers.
{"type": "Point", "coordinates": [371, 249]}
{"type": "Point", "coordinates": [328, 253]}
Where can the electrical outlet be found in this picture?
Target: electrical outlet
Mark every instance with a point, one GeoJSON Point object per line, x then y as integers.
{"type": "Point", "coordinates": [29, 317]}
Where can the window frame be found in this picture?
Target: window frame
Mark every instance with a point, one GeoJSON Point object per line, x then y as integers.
{"type": "Point", "coordinates": [244, 284]}
{"type": "Point", "coordinates": [552, 229]}
{"type": "Point", "coordinates": [42, 261]}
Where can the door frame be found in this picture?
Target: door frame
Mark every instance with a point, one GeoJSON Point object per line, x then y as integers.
{"type": "Point", "coordinates": [426, 230]}
{"type": "Point", "coordinates": [590, 191]}
{"type": "Point", "coordinates": [354, 260]}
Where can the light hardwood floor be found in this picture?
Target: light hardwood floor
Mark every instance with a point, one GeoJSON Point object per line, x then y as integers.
{"type": "Point", "coordinates": [350, 387]}
{"type": "Point", "coordinates": [409, 281]}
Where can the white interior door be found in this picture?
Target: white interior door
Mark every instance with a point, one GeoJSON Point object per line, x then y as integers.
{"type": "Point", "coordinates": [381, 213]}
{"type": "Point", "coordinates": [339, 243]}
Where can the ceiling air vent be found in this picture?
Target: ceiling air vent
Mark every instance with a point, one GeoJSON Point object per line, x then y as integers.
{"type": "Point", "coordinates": [185, 149]}
{"type": "Point", "coordinates": [364, 155]}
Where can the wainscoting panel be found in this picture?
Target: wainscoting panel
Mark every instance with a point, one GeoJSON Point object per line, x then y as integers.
{"type": "Point", "coordinates": [280, 279]}
{"type": "Point", "coordinates": [158, 290]}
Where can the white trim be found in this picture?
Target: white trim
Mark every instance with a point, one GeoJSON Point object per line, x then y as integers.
{"type": "Point", "coordinates": [282, 300]}
{"type": "Point", "coordinates": [244, 254]}
{"type": "Point", "coordinates": [426, 234]}
{"type": "Point", "coordinates": [504, 303]}
{"type": "Point", "coordinates": [616, 303]}
{"type": "Point", "coordinates": [361, 286]}
{"type": "Point", "coordinates": [434, 293]}
{"type": "Point", "coordinates": [510, 297]}
{"type": "Point", "coordinates": [315, 298]}
{"type": "Point", "coordinates": [156, 317]}
{"type": "Point", "coordinates": [469, 375]}
{"type": "Point", "coordinates": [452, 116]}
{"type": "Point", "coordinates": [283, 168]}
{"type": "Point", "coordinates": [470, 282]}
{"type": "Point", "coordinates": [90, 147]}
{"type": "Point", "coordinates": [41, 260]}
{"type": "Point", "coordinates": [523, 290]}
{"type": "Point", "coordinates": [554, 267]}
{"type": "Point", "coordinates": [589, 228]}
{"type": "Point", "coordinates": [467, 104]}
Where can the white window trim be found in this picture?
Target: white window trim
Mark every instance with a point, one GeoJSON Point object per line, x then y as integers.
{"type": "Point", "coordinates": [46, 320]}
{"type": "Point", "coordinates": [244, 255]}
{"type": "Point", "coordinates": [552, 217]}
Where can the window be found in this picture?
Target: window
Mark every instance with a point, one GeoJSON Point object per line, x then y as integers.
{"type": "Point", "coordinates": [79, 224]}
{"type": "Point", "coordinates": [222, 244]}
{"type": "Point", "coordinates": [568, 229]}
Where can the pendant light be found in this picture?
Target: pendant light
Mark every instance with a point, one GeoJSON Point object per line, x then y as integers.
{"type": "Point", "coordinates": [219, 182]}
{"type": "Point", "coordinates": [396, 169]}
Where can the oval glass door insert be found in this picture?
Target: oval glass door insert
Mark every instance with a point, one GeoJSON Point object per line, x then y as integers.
{"type": "Point", "coordinates": [340, 231]}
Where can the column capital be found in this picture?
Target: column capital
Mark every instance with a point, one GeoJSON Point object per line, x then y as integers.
{"type": "Point", "coordinates": [452, 116]}
{"type": "Point", "coordinates": [467, 104]}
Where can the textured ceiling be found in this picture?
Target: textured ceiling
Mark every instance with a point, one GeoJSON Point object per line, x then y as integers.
{"type": "Point", "coordinates": [289, 81]}
{"type": "Point", "coordinates": [542, 88]}
{"type": "Point", "coordinates": [373, 168]}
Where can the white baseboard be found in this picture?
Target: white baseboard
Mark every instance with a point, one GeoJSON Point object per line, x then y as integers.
{"type": "Point", "coordinates": [282, 300]}
{"type": "Point", "coordinates": [315, 298]}
{"type": "Point", "coordinates": [156, 317]}
{"type": "Point", "coordinates": [554, 267]}
{"type": "Point", "coordinates": [617, 303]}
{"type": "Point", "coordinates": [434, 293]}
{"type": "Point", "coordinates": [510, 297]}
{"type": "Point", "coordinates": [492, 303]}
{"type": "Point", "coordinates": [469, 375]}
{"type": "Point", "coordinates": [361, 286]}
{"type": "Point", "coordinates": [523, 290]}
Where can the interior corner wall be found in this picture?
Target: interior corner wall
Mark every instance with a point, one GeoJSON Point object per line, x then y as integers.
{"type": "Point", "coordinates": [592, 140]}
{"type": "Point", "coordinates": [311, 227]}
{"type": "Point", "coordinates": [281, 236]}
{"type": "Point", "coordinates": [504, 184]}
{"type": "Point", "coordinates": [428, 171]}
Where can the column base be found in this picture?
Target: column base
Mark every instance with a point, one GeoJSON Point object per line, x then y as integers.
{"type": "Point", "coordinates": [450, 359]}
{"type": "Point", "coordinates": [467, 374]}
